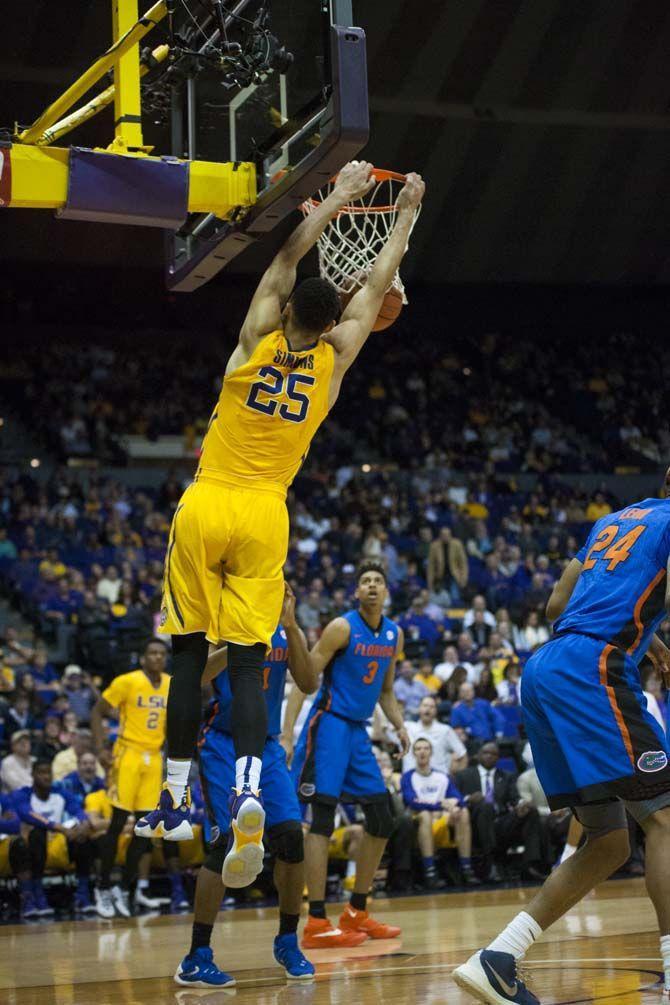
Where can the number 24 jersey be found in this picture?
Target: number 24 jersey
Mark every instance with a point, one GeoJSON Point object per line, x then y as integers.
{"type": "Point", "coordinates": [620, 593]}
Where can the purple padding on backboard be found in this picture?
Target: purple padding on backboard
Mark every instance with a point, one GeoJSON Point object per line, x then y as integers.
{"type": "Point", "coordinates": [114, 188]}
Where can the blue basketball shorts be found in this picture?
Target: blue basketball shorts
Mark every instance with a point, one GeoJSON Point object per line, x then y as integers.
{"type": "Point", "coordinates": [334, 761]}
{"type": "Point", "coordinates": [588, 725]}
{"type": "Point", "coordinates": [217, 773]}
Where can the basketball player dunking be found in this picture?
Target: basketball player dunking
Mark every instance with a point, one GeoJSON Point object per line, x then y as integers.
{"type": "Point", "coordinates": [229, 536]}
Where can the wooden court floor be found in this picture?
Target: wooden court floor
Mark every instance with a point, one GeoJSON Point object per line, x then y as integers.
{"type": "Point", "coordinates": [604, 950]}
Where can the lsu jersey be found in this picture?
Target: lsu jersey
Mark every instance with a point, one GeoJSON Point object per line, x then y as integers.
{"type": "Point", "coordinates": [267, 414]}
{"type": "Point", "coordinates": [353, 680]}
{"type": "Point", "coordinates": [274, 681]}
{"type": "Point", "coordinates": [142, 708]}
{"type": "Point", "coordinates": [620, 593]}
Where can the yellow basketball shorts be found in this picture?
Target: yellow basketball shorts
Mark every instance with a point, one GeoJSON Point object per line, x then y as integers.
{"type": "Point", "coordinates": [58, 853]}
{"type": "Point", "coordinates": [443, 832]}
{"type": "Point", "coordinates": [135, 778]}
{"type": "Point", "coordinates": [223, 568]}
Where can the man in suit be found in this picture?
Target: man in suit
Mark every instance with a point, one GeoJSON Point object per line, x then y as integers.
{"type": "Point", "coordinates": [499, 818]}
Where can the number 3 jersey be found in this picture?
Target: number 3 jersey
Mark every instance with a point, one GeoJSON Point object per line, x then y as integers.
{"type": "Point", "coordinates": [267, 414]}
{"type": "Point", "coordinates": [620, 593]}
{"type": "Point", "coordinates": [352, 681]}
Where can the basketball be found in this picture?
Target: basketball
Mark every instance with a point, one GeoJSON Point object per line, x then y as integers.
{"type": "Point", "coordinates": [389, 310]}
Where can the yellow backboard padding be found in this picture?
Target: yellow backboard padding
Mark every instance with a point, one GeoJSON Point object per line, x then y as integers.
{"type": "Point", "coordinates": [219, 188]}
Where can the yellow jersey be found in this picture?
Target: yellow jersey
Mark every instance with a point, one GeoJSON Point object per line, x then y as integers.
{"type": "Point", "coordinates": [142, 708]}
{"type": "Point", "coordinates": [267, 414]}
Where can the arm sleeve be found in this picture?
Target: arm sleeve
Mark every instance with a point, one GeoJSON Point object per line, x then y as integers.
{"type": "Point", "coordinates": [117, 692]}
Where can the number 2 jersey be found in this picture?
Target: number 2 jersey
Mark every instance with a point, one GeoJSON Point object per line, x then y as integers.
{"type": "Point", "coordinates": [142, 708]}
{"type": "Point", "coordinates": [620, 593]}
{"type": "Point", "coordinates": [267, 415]}
{"type": "Point", "coordinates": [274, 682]}
{"type": "Point", "coordinates": [352, 681]}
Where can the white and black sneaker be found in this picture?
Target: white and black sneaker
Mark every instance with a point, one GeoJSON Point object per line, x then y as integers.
{"type": "Point", "coordinates": [121, 901]}
{"type": "Point", "coordinates": [104, 904]}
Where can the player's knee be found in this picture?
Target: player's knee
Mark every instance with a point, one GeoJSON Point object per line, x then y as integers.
{"type": "Point", "coordinates": [606, 824]}
{"type": "Point", "coordinates": [245, 662]}
{"type": "Point", "coordinates": [215, 857]}
{"type": "Point", "coordinates": [323, 819]}
{"type": "Point", "coordinates": [379, 820]}
{"type": "Point", "coordinates": [287, 843]}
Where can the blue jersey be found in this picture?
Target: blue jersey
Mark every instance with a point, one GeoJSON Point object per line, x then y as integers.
{"type": "Point", "coordinates": [620, 593]}
{"type": "Point", "coordinates": [274, 681]}
{"type": "Point", "coordinates": [353, 679]}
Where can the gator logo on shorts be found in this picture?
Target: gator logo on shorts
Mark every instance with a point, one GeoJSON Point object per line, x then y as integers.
{"type": "Point", "coordinates": [164, 616]}
{"type": "Point", "coordinates": [652, 760]}
{"type": "Point", "coordinates": [215, 835]}
{"type": "Point", "coordinates": [307, 790]}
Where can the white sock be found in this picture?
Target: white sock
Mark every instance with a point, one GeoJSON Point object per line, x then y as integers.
{"type": "Point", "coordinates": [351, 867]}
{"type": "Point", "coordinates": [569, 850]}
{"type": "Point", "coordinates": [177, 778]}
{"type": "Point", "coordinates": [665, 953]}
{"type": "Point", "coordinates": [518, 937]}
{"type": "Point", "coordinates": [248, 772]}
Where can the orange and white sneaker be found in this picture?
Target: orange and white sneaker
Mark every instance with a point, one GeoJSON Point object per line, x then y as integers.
{"type": "Point", "coordinates": [320, 934]}
{"type": "Point", "coordinates": [352, 920]}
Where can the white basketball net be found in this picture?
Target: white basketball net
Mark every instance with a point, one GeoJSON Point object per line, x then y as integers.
{"type": "Point", "coordinates": [351, 242]}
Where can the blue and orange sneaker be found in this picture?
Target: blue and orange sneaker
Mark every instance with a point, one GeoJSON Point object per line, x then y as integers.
{"type": "Point", "coordinates": [492, 977]}
{"type": "Point", "coordinates": [244, 856]}
{"type": "Point", "coordinates": [288, 956]}
{"type": "Point", "coordinates": [198, 970]}
{"type": "Point", "coordinates": [167, 820]}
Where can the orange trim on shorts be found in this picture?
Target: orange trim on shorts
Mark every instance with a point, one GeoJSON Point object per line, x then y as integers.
{"type": "Point", "coordinates": [641, 601]}
{"type": "Point", "coordinates": [621, 723]}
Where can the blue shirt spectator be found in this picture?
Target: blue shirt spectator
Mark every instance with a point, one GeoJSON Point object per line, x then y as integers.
{"type": "Point", "coordinates": [409, 691]}
{"type": "Point", "coordinates": [80, 695]}
{"type": "Point", "coordinates": [475, 715]}
{"type": "Point", "coordinates": [419, 628]}
{"type": "Point", "coordinates": [84, 780]}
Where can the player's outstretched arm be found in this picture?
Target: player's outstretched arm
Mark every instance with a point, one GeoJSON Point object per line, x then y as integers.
{"type": "Point", "coordinates": [299, 662]}
{"type": "Point", "coordinates": [217, 661]}
{"type": "Point", "coordinates": [274, 289]}
{"type": "Point", "coordinates": [389, 702]}
{"type": "Point", "coordinates": [101, 710]}
{"type": "Point", "coordinates": [562, 591]}
{"type": "Point", "coordinates": [349, 336]}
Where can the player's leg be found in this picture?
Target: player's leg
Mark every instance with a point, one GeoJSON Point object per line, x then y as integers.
{"type": "Point", "coordinates": [251, 603]}
{"type": "Point", "coordinates": [319, 780]}
{"type": "Point", "coordinates": [198, 968]}
{"type": "Point", "coordinates": [562, 718]}
{"type": "Point", "coordinates": [286, 843]}
{"type": "Point", "coordinates": [363, 780]}
{"type": "Point", "coordinates": [654, 818]}
{"type": "Point", "coordinates": [189, 613]}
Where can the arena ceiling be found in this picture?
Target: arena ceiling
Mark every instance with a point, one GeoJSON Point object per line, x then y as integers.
{"type": "Point", "coordinates": [542, 128]}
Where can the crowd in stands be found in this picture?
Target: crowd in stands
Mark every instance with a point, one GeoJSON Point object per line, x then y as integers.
{"type": "Point", "coordinates": [494, 402]}
{"type": "Point", "coordinates": [470, 568]}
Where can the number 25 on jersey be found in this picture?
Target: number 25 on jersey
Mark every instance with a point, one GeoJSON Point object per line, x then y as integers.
{"type": "Point", "coordinates": [265, 395]}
